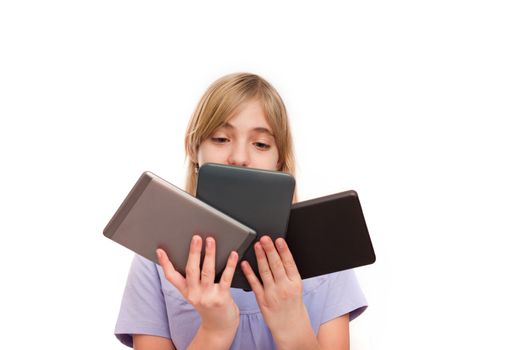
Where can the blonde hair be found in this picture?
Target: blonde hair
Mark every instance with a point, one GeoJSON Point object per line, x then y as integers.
{"type": "Point", "coordinates": [220, 102]}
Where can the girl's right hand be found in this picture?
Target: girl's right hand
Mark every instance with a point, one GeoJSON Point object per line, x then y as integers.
{"type": "Point", "coordinates": [213, 301]}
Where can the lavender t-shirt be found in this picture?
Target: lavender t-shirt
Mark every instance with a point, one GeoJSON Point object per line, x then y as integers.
{"type": "Point", "coordinates": [151, 305]}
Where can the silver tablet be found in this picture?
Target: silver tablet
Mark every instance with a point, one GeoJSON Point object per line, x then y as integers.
{"type": "Point", "coordinates": [156, 214]}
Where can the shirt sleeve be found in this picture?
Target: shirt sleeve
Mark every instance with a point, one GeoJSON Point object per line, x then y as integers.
{"type": "Point", "coordinates": [143, 309]}
{"type": "Point", "coordinates": [344, 295]}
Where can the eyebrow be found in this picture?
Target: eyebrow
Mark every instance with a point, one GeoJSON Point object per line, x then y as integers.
{"type": "Point", "coordinates": [257, 129]}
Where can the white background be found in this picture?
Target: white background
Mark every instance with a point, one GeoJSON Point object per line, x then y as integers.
{"type": "Point", "coordinates": [416, 105]}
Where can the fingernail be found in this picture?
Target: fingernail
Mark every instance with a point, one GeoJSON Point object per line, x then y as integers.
{"type": "Point", "coordinates": [208, 242]}
{"type": "Point", "coordinates": [280, 243]}
{"type": "Point", "coordinates": [158, 254]}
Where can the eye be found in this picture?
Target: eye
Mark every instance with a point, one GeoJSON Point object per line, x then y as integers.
{"type": "Point", "coordinates": [262, 145]}
{"type": "Point", "coordinates": [219, 139]}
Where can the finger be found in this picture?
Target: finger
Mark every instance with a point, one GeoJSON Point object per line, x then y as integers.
{"type": "Point", "coordinates": [208, 266]}
{"type": "Point", "coordinates": [253, 281]}
{"type": "Point", "coordinates": [227, 275]}
{"type": "Point", "coordinates": [288, 261]}
{"type": "Point", "coordinates": [193, 264]}
{"type": "Point", "coordinates": [262, 264]}
{"type": "Point", "coordinates": [172, 275]}
{"type": "Point", "coordinates": [274, 259]}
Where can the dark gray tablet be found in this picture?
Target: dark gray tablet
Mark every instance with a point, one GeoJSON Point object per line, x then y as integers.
{"type": "Point", "coordinates": [158, 214]}
{"type": "Point", "coordinates": [260, 199]}
{"type": "Point", "coordinates": [329, 234]}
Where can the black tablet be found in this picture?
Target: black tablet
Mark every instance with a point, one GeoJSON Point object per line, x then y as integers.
{"type": "Point", "coordinates": [156, 214]}
{"type": "Point", "coordinates": [329, 234]}
{"type": "Point", "coordinates": [260, 199]}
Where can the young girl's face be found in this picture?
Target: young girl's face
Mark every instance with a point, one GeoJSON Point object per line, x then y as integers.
{"type": "Point", "coordinates": [243, 140]}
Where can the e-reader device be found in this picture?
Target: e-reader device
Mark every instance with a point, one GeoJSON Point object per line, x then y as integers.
{"type": "Point", "coordinates": [157, 214]}
{"type": "Point", "coordinates": [329, 234]}
{"type": "Point", "coordinates": [260, 199]}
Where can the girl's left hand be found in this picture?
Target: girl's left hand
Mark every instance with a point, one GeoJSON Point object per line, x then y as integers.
{"type": "Point", "coordinates": [280, 294]}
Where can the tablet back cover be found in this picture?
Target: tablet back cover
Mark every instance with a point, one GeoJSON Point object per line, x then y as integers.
{"type": "Point", "coordinates": [158, 214]}
{"type": "Point", "coordinates": [329, 234]}
{"type": "Point", "coordinates": [260, 199]}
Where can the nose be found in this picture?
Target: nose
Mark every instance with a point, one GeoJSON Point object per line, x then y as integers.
{"type": "Point", "coordinates": [239, 155]}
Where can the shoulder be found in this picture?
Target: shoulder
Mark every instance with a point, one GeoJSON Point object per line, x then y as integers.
{"type": "Point", "coordinates": [140, 264]}
{"type": "Point", "coordinates": [143, 308]}
{"type": "Point", "coordinates": [341, 279]}
{"type": "Point", "coordinates": [334, 295]}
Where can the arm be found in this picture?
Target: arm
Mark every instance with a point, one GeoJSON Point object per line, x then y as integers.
{"type": "Point", "coordinates": [144, 304]}
{"type": "Point", "coordinates": [335, 334]}
{"type": "Point", "coordinates": [202, 340]}
{"type": "Point", "coordinates": [279, 296]}
{"type": "Point", "coordinates": [280, 299]}
{"type": "Point", "coordinates": [151, 342]}
{"type": "Point", "coordinates": [218, 312]}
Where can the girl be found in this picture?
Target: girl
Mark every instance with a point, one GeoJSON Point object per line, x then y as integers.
{"type": "Point", "coordinates": [241, 120]}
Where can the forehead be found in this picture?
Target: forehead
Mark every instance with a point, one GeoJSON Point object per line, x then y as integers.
{"type": "Point", "coordinates": [249, 116]}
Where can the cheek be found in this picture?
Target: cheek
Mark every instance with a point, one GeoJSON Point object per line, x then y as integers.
{"type": "Point", "coordinates": [268, 161]}
{"type": "Point", "coordinates": [207, 153]}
